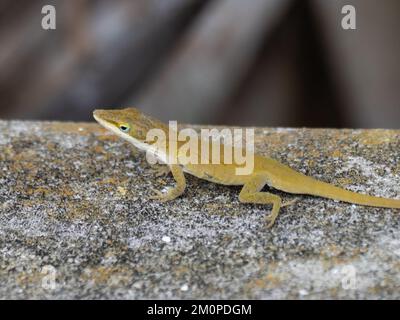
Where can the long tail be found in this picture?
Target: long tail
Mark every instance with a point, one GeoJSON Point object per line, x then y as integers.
{"type": "Point", "coordinates": [326, 190]}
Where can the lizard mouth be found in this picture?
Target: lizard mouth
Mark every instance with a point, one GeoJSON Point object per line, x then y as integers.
{"type": "Point", "coordinates": [97, 115]}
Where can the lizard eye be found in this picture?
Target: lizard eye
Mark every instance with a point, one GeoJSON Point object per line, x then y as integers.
{"type": "Point", "coordinates": [124, 128]}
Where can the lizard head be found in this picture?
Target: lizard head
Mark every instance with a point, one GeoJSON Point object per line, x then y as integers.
{"type": "Point", "coordinates": [130, 124]}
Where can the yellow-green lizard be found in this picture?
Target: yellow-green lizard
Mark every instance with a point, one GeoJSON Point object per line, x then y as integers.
{"type": "Point", "coordinates": [133, 126]}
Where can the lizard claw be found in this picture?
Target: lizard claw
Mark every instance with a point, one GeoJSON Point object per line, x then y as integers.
{"type": "Point", "coordinates": [162, 197]}
{"type": "Point", "coordinates": [270, 219]}
{"type": "Point", "coordinates": [158, 195]}
{"type": "Point", "coordinates": [289, 203]}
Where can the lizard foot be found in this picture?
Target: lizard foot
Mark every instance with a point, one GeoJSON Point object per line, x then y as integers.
{"type": "Point", "coordinates": [270, 219]}
{"type": "Point", "coordinates": [289, 203]}
{"type": "Point", "coordinates": [171, 194]}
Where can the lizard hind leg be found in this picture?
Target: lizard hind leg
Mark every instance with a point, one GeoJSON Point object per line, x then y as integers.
{"type": "Point", "coordinates": [251, 193]}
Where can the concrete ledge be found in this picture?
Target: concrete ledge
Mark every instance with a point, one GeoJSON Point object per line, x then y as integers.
{"type": "Point", "coordinates": [74, 208]}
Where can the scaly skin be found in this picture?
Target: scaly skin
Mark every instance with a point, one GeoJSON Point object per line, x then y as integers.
{"type": "Point", "coordinates": [133, 125]}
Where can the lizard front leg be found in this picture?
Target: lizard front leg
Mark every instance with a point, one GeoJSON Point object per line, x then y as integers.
{"type": "Point", "coordinates": [173, 192]}
{"type": "Point", "coordinates": [160, 169]}
{"type": "Point", "coordinates": [251, 193]}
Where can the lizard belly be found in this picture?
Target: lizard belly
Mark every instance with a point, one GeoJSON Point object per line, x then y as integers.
{"type": "Point", "coordinates": [221, 174]}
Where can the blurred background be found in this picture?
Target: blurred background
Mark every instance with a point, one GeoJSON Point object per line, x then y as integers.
{"type": "Point", "coordinates": [234, 62]}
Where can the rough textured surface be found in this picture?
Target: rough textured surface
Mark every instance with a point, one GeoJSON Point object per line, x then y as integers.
{"type": "Point", "coordinates": [73, 204]}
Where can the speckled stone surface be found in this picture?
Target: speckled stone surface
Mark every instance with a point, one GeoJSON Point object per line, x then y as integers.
{"type": "Point", "coordinates": [74, 209]}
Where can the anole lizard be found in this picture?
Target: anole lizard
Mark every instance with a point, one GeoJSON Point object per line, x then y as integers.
{"type": "Point", "coordinates": [132, 125]}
